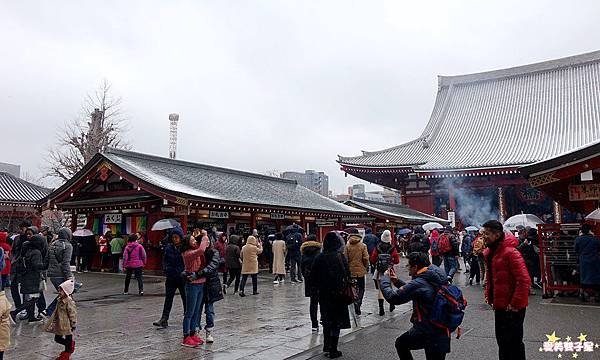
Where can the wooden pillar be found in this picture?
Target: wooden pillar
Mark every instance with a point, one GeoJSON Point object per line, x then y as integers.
{"type": "Point", "coordinates": [184, 223]}
{"type": "Point", "coordinates": [253, 221]}
{"type": "Point", "coordinates": [303, 223]}
{"type": "Point", "coordinates": [501, 204]}
{"type": "Point", "coordinates": [74, 221]}
{"type": "Point", "coordinates": [451, 199]}
{"type": "Point", "coordinates": [557, 213]}
{"type": "Point", "coordinates": [339, 224]}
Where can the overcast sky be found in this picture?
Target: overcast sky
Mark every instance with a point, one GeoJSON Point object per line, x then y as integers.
{"type": "Point", "coordinates": [262, 85]}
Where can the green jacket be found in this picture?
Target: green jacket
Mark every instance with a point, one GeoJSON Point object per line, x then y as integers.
{"type": "Point", "coordinates": [117, 245]}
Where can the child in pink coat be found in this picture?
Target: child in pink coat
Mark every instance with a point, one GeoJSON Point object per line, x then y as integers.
{"type": "Point", "coordinates": [134, 259]}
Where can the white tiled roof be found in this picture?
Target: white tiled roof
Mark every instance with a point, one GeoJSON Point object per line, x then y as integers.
{"type": "Point", "coordinates": [503, 118]}
{"type": "Point", "coordinates": [15, 190]}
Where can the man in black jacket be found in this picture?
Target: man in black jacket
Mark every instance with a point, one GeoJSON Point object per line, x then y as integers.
{"type": "Point", "coordinates": [15, 255]}
{"type": "Point", "coordinates": [173, 267]}
{"type": "Point", "coordinates": [422, 289]}
{"type": "Point", "coordinates": [293, 242]}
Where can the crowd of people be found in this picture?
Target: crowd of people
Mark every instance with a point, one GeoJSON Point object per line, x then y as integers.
{"type": "Point", "coordinates": [203, 266]}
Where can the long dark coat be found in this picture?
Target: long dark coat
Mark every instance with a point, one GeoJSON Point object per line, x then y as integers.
{"type": "Point", "coordinates": [213, 291]}
{"type": "Point", "coordinates": [309, 250]}
{"type": "Point", "coordinates": [328, 272]}
{"type": "Point", "coordinates": [30, 270]}
{"type": "Point", "coordinates": [588, 249]}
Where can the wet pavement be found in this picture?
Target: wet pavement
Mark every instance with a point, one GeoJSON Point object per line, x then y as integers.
{"type": "Point", "coordinates": [272, 325]}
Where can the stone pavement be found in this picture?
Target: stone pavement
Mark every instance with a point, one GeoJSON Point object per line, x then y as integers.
{"type": "Point", "coordinates": [543, 317]}
{"type": "Point", "coordinates": [272, 325]}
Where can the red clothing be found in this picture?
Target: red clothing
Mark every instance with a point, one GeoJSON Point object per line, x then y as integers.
{"type": "Point", "coordinates": [103, 242]}
{"type": "Point", "coordinates": [509, 278]}
{"type": "Point", "coordinates": [4, 245]}
{"type": "Point", "coordinates": [221, 246]}
{"type": "Point", "coordinates": [194, 259]}
{"type": "Point", "coordinates": [394, 253]}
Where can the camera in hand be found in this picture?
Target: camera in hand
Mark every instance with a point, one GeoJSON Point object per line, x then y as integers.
{"type": "Point", "coordinates": [384, 262]}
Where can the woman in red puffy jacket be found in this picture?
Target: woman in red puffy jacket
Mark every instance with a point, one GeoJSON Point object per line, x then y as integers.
{"type": "Point", "coordinates": [6, 270]}
{"type": "Point", "coordinates": [507, 289]}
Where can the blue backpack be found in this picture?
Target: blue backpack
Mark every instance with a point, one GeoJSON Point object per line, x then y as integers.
{"type": "Point", "coordinates": [435, 250]}
{"type": "Point", "coordinates": [2, 262]}
{"type": "Point", "coordinates": [448, 308]}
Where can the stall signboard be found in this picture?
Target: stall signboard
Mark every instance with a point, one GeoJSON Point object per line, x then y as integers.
{"type": "Point", "coordinates": [452, 218]}
{"type": "Point", "coordinates": [277, 216]}
{"type": "Point", "coordinates": [219, 215]}
{"type": "Point", "coordinates": [113, 218]}
{"type": "Point", "coordinates": [584, 192]}
{"type": "Point", "coordinates": [81, 221]}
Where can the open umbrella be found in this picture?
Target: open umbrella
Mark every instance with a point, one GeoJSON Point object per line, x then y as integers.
{"type": "Point", "coordinates": [594, 216]}
{"type": "Point", "coordinates": [165, 224]}
{"type": "Point", "coordinates": [522, 219]}
{"type": "Point", "coordinates": [404, 231]}
{"type": "Point", "coordinates": [432, 225]}
{"type": "Point", "coordinates": [83, 232]}
{"type": "Point", "coordinates": [472, 228]}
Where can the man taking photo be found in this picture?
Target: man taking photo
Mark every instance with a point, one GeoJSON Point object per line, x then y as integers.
{"type": "Point", "coordinates": [507, 289]}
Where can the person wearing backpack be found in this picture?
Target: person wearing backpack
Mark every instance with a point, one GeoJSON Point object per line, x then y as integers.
{"type": "Point", "coordinates": [449, 251]}
{"type": "Point", "coordinates": [507, 289]}
{"type": "Point", "coordinates": [384, 253]}
{"type": "Point", "coordinates": [423, 291]}
{"type": "Point", "coordinates": [434, 247]}
{"type": "Point", "coordinates": [5, 273]}
{"type": "Point", "coordinates": [310, 249]}
{"type": "Point", "coordinates": [293, 242]}
{"type": "Point", "coordinates": [59, 262]}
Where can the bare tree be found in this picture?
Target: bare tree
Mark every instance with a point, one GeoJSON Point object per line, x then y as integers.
{"type": "Point", "coordinates": [100, 125]}
{"type": "Point", "coordinates": [56, 219]}
{"type": "Point", "coordinates": [273, 173]}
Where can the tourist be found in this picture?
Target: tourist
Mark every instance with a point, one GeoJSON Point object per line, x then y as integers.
{"type": "Point", "coordinates": [418, 242]}
{"type": "Point", "coordinates": [434, 245]}
{"type": "Point", "coordinates": [507, 289]}
{"type": "Point", "coordinates": [466, 249]}
{"type": "Point", "coordinates": [16, 257]}
{"type": "Point", "coordinates": [87, 250]}
{"type": "Point", "coordinates": [4, 322]}
{"type": "Point", "coordinates": [279, 253]}
{"type": "Point", "coordinates": [293, 242]}
{"type": "Point", "coordinates": [29, 273]}
{"type": "Point", "coordinates": [59, 267]}
{"type": "Point", "coordinates": [329, 273]}
{"type": "Point", "coordinates": [384, 251]}
{"type": "Point", "coordinates": [233, 263]}
{"type": "Point", "coordinates": [63, 321]}
{"type": "Point", "coordinates": [116, 250]}
{"type": "Point", "coordinates": [6, 248]}
{"type": "Point", "coordinates": [449, 250]}
{"type": "Point", "coordinates": [309, 250]}
{"type": "Point", "coordinates": [532, 259]}
{"type": "Point", "coordinates": [221, 247]}
{"type": "Point", "coordinates": [194, 261]}
{"type": "Point", "coordinates": [104, 248]}
{"type": "Point", "coordinates": [134, 260]}
{"type": "Point", "coordinates": [172, 267]}
{"type": "Point", "coordinates": [358, 260]}
{"type": "Point", "coordinates": [587, 247]}
{"type": "Point", "coordinates": [421, 290]}
{"type": "Point", "coordinates": [478, 248]}
{"type": "Point", "coordinates": [212, 290]}
{"type": "Point", "coordinates": [249, 256]}
{"type": "Point", "coordinates": [371, 241]}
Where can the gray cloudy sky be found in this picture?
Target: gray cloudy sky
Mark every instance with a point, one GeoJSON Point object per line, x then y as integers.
{"type": "Point", "coordinates": [263, 85]}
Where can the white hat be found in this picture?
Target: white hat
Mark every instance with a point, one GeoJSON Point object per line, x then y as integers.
{"type": "Point", "coordinates": [386, 237]}
{"type": "Point", "coordinates": [68, 286]}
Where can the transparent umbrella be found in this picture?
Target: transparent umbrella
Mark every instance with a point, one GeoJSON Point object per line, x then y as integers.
{"type": "Point", "coordinates": [432, 225]}
{"type": "Point", "coordinates": [594, 216]}
{"type": "Point", "coordinates": [165, 224]}
{"type": "Point", "coordinates": [472, 228]}
{"type": "Point", "coordinates": [522, 219]}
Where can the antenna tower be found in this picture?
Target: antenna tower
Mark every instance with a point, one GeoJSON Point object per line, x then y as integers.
{"type": "Point", "coordinates": [173, 119]}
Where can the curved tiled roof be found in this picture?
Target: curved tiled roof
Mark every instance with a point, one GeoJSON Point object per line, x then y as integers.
{"type": "Point", "coordinates": [16, 190]}
{"type": "Point", "coordinates": [524, 114]}
{"type": "Point", "coordinates": [394, 210]}
{"type": "Point", "coordinates": [215, 183]}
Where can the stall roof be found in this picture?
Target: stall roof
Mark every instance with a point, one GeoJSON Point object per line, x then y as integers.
{"type": "Point", "coordinates": [205, 182]}
{"type": "Point", "coordinates": [502, 118]}
{"type": "Point", "coordinates": [393, 210]}
{"type": "Point", "coordinates": [19, 191]}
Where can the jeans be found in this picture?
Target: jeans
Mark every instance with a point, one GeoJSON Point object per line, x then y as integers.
{"type": "Point", "coordinates": [209, 311]}
{"type": "Point", "coordinates": [56, 281]}
{"type": "Point", "coordinates": [171, 285]}
{"type": "Point", "coordinates": [235, 274]}
{"type": "Point", "coordinates": [475, 272]}
{"type": "Point", "coordinates": [41, 302]}
{"type": "Point", "coordinates": [193, 301]}
{"type": "Point", "coordinates": [360, 284]}
{"type": "Point", "coordinates": [225, 277]}
{"type": "Point", "coordinates": [313, 307]}
{"type": "Point", "coordinates": [14, 292]}
{"type": "Point", "coordinates": [138, 276]}
{"type": "Point", "coordinates": [115, 262]}
{"type": "Point", "coordinates": [86, 263]}
{"type": "Point", "coordinates": [5, 281]}
{"type": "Point", "coordinates": [509, 334]}
{"type": "Point", "coordinates": [413, 340]}
{"type": "Point", "coordinates": [450, 266]}
{"type": "Point", "coordinates": [254, 282]}
{"type": "Point", "coordinates": [295, 265]}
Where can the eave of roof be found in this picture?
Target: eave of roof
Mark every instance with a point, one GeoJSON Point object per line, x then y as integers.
{"type": "Point", "coordinates": [563, 160]}
{"type": "Point", "coordinates": [398, 211]}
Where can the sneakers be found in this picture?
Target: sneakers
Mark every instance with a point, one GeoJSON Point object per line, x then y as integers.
{"type": "Point", "coordinates": [141, 293]}
{"type": "Point", "coordinates": [35, 320]}
{"type": "Point", "coordinates": [294, 280]}
{"type": "Point", "coordinates": [300, 280]}
{"type": "Point", "coordinates": [282, 281]}
{"type": "Point", "coordinates": [242, 294]}
{"type": "Point", "coordinates": [255, 293]}
{"type": "Point", "coordinates": [189, 342]}
{"type": "Point", "coordinates": [209, 337]}
{"type": "Point", "coordinates": [125, 292]}
{"type": "Point", "coordinates": [162, 323]}
{"type": "Point", "coordinates": [224, 289]}
{"type": "Point", "coordinates": [276, 282]}
{"type": "Point", "coordinates": [197, 339]}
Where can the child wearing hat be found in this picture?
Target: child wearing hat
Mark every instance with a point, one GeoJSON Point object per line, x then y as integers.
{"type": "Point", "coordinates": [64, 319]}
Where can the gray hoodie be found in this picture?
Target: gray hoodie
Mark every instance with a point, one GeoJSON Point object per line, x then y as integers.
{"type": "Point", "coordinates": [59, 255]}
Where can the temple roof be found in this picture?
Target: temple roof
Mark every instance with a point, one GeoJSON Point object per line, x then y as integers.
{"type": "Point", "coordinates": [401, 212]}
{"type": "Point", "coordinates": [18, 191]}
{"type": "Point", "coordinates": [503, 118]}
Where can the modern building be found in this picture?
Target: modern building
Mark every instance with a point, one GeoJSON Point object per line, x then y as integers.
{"type": "Point", "coordinates": [482, 129]}
{"type": "Point", "coordinates": [310, 179]}
{"type": "Point", "coordinates": [127, 192]}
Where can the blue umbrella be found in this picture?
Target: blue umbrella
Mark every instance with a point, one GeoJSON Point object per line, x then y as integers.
{"type": "Point", "coordinates": [404, 231]}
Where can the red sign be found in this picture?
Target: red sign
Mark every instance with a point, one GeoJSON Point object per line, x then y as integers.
{"type": "Point", "coordinates": [584, 192]}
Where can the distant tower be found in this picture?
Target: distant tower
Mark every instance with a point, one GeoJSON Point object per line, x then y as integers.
{"type": "Point", "coordinates": [173, 119]}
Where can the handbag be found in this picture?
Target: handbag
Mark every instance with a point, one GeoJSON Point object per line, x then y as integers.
{"type": "Point", "coordinates": [349, 292]}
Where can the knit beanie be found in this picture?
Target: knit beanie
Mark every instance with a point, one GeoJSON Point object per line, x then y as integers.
{"type": "Point", "coordinates": [386, 237]}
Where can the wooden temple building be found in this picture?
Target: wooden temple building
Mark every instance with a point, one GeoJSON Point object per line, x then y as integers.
{"type": "Point", "coordinates": [18, 202]}
{"type": "Point", "coordinates": [483, 128]}
{"type": "Point", "coordinates": [128, 192]}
